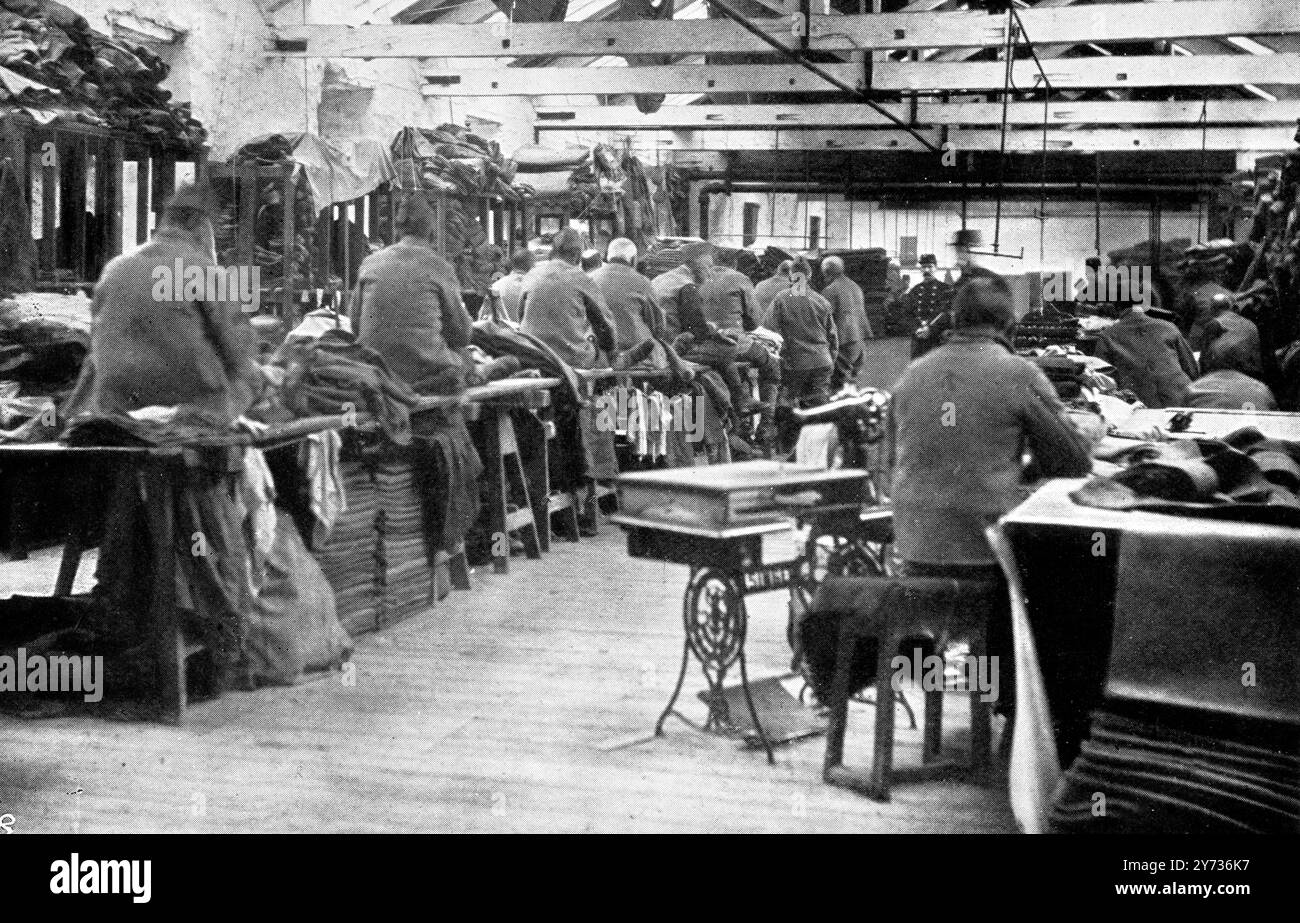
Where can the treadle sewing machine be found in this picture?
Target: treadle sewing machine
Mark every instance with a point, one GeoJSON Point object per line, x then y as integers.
{"type": "Point", "coordinates": [732, 525]}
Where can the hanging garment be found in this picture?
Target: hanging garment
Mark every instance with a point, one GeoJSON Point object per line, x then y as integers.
{"type": "Point", "coordinates": [324, 479]}
{"type": "Point", "coordinates": [817, 444]}
{"type": "Point", "coordinates": [258, 490]}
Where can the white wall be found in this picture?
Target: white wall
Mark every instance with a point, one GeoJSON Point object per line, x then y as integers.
{"type": "Point", "coordinates": [221, 68]}
{"type": "Point", "coordinates": [1063, 241]}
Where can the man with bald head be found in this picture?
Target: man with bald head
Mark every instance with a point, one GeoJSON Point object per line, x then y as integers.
{"type": "Point", "coordinates": [851, 322]}
{"type": "Point", "coordinates": [629, 296]}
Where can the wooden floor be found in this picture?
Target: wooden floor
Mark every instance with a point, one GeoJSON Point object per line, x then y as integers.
{"type": "Point", "coordinates": [499, 710]}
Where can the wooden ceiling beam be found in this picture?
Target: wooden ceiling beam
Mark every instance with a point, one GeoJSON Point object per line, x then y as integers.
{"type": "Point", "coordinates": [1082, 140]}
{"type": "Point", "coordinates": [888, 76]}
{"type": "Point", "coordinates": [848, 115]}
{"type": "Point", "coordinates": [1115, 22]}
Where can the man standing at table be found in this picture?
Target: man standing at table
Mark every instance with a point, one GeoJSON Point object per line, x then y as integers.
{"type": "Point", "coordinates": [768, 289]}
{"type": "Point", "coordinates": [851, 322]}
{"type": "Point", "coordinates": [806, 324]}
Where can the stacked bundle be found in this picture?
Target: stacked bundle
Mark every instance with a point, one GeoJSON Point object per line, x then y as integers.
{"type": "Point", "coordinates": [1046, 327]}
{"type": "Point", "coordinates": [404, 568]}
{"type": "Point", "coordinates": [268, 225]}
{"type": "Point", "coordinates": [478, 261]}
{"type": "Point", "coordinates": [55, 66]}
{"type": "Point", "coordinates": [452, 159]}
{"type": "Point", "coordinates": [350, 556]}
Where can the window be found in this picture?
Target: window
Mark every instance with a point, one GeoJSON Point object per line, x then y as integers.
{"type": "Point", "coordinates": [749, 231]}
{"type": "Point", "coordinates": [814, 232]}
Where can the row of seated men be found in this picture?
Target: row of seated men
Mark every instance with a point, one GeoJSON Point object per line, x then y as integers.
{"type": "Point", "coordinates": [704, 311]}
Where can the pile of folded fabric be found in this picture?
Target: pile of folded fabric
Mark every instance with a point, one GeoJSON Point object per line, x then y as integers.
{"type": "Point", "coordinates": [1241, 477]}
{"type": "Point", "coordinates": [350, 555]}
{"type": "Point", "coordinates": [1184, 740]}
{"type": "Point", "coordinates": [268, 225]}
{"type": "Point", "coordinates": [404, 572]}
{"type": "Point", "coordinates": [334, 376]}
{"type": "Point", "coordinates": [454, 160]}
{"type": "Point", "coordinates": [53, 65]}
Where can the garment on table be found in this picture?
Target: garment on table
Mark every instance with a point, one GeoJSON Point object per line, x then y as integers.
{"type": "Point", "coordinates": [317, 323]}
{"type": "Point", "coordinates": [152, 426]}
{"type": "Point", "coordinates": [1228, 389]}
{"type": "Point", "coordinates": [1150, 357]}
{"type": "Point", "coordinates": [632, 304]}
{"type": "Point", "coordinates": [807, 327]}
{"type": "Point", "coordinates": [564, 309]}
{"type": "Point", "coordinates": [507, 290]}
{"type": "Point", "coordinates": [147, 350]}
{"type": "Point", "coordinates": [407, 308]}
{"type": "Point", "coordinates": [849, 308]}
{"type": "Point", "coordinates": [1242, 477]}
{"type": "Point", "coordinates": [319, 457]}
{"type": "Point", "coordinates": [962, 417]}
{"type": "Point", "coordinates": [333, 376]}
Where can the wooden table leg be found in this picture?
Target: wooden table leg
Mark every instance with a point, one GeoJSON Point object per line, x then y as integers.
{"type": "Point", "coordinates": [169, 646]}
{"type": "Point", "coordinates": [533, 453]}
{"type": "Point", "coordinates": [495, 465]}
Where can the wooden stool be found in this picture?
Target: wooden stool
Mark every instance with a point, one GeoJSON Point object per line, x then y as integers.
{"type": "Point", "coordinates": [504, 465]}
{"type": "Point", "coordinates": [892, 610]}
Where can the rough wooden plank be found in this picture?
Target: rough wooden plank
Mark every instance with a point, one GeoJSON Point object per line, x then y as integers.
{"type": "Point", "coordinates": [961, 29]}
{"type": "Point", "coordinates": [851, 115]}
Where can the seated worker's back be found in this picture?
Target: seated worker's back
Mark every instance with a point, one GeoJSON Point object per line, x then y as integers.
{"type": "Point", "coordinates": [564, 308]}
{"type": "Point", "coordinates": [1150, 356]}
{"type": "Point", "coordinates": [407, 306]}
{"type": "Point", "coordinates": [152, 345]}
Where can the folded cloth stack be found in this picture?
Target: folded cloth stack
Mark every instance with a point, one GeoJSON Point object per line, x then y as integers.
{"type": "Point", "coordinates": [1241, 477]}
{"type": "Point", "coordinates": [268, 225]}
{"type": "Point", "coordinates": [454, 160]}
{"type": "Point", "coordinates": [404, 571]}
{"type": "Point", "coordinates": [1065, 374]}
{"type": "Point", "coordinates": [1046, 327]}
{"type": "Point", "coordinates": [53, 65]}
{"type": "Point", "coordinates": [1159, 778]}
{"type": "Point", "coordinates": [349, 555]}
{"type": "Point", "coordinates": [334, 376]}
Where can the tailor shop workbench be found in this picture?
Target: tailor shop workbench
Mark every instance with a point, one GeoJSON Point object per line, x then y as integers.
{"type": "Point", "coordinates": [732, 526]}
